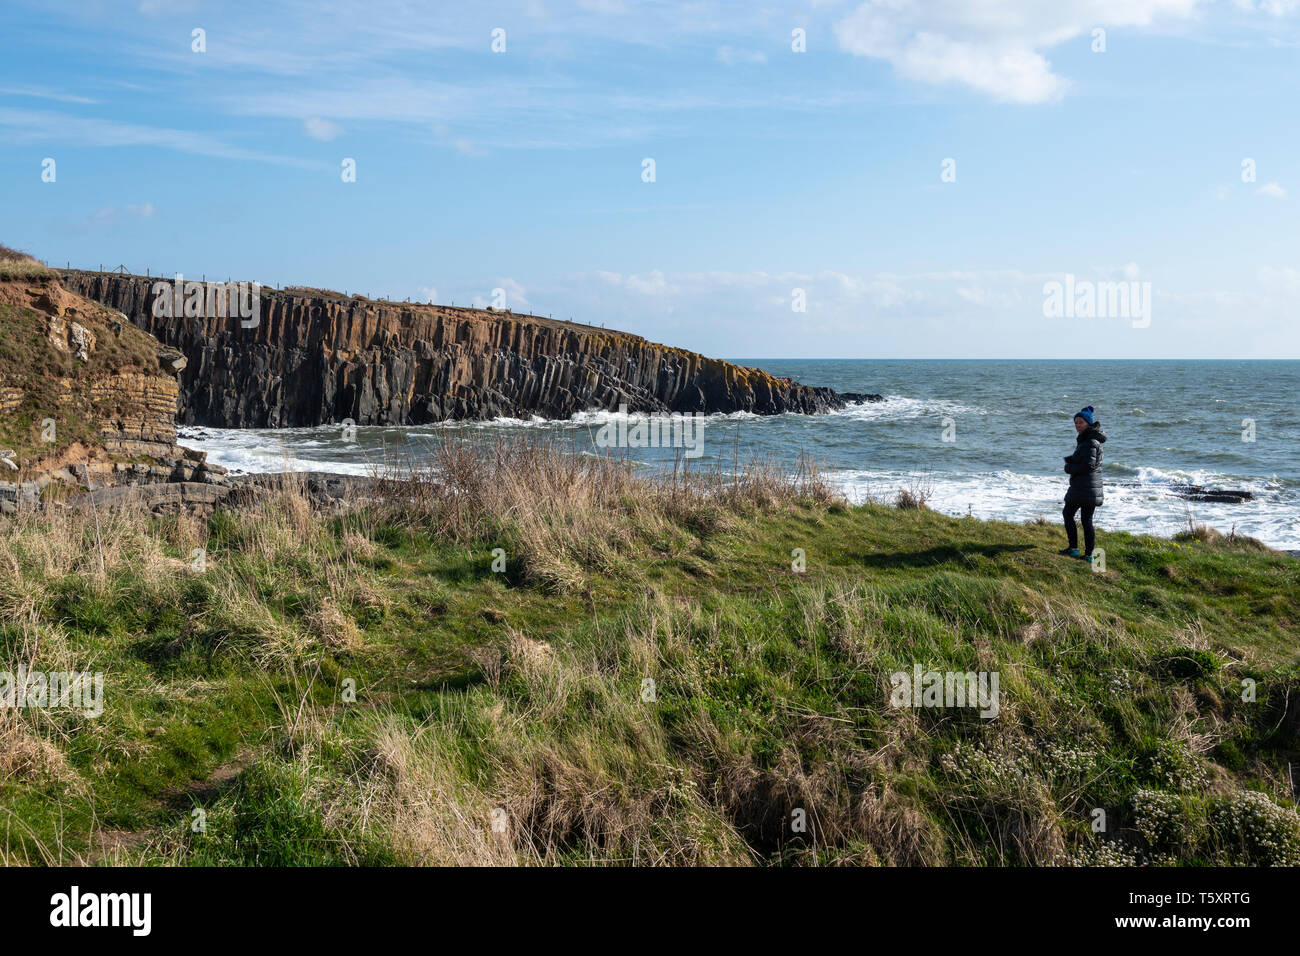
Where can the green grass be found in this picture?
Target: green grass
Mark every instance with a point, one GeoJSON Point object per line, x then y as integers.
{"type": "Point", "coordinates": [520, 701]}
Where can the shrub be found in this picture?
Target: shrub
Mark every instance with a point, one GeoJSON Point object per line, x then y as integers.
{"type": "Point", "coordinates": [1261, 831]}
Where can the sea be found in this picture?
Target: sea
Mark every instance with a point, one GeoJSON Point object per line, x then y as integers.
{"type": "Point", "coordinates": [984, 437]}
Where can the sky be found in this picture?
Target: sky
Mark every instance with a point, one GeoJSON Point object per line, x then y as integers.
{"type": "Point", "coordinates": [879, 179]}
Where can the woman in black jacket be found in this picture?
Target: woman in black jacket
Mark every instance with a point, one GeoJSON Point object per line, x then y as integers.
{"type": "Point", "coordinates": [1085, 493]}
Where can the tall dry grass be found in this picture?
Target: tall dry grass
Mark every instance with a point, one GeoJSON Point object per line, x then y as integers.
{"type": "Point", "coordinates": [562, 513]}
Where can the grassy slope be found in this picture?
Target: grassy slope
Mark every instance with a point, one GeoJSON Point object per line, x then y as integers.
{"type": "Point", "coordinates": [501, 717]}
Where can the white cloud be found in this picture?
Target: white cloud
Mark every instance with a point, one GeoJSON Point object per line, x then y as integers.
{"type": "Point", "coordinates": [486, 294]}
{"type": "Point", "coordinates": [1272, 191]}
{"type": "Point", "coordinates": [993, 47]}
{"type": "Point", "coordinates": [516, 295]}
{"type": "Point", "coordinates": [321, 129]}
{"type": "Point", "coordinates": [1285, 280]}
{"type": "Point", "coordinates": [111, 215]}
{"type": "Point", "coordinates": [1273, 8]}
{"type": "Point", "coordinates": [946, 313]}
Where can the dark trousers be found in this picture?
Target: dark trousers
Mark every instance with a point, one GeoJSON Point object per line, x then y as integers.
{"type": "Point", "coordinates": [1085, 518]}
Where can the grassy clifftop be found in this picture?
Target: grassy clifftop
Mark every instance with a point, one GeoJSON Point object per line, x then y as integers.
{"type": "Point", "coordinates": [696, 671]}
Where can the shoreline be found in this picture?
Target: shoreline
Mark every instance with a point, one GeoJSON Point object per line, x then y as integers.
{"type": "Point", "coordinates": [1031, 496]}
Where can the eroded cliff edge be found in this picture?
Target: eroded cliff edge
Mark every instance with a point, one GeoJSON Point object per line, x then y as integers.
{"type": "Point", "coordinates": [316, 357]}
{"type": "Point", "coordinates": [87, 400]}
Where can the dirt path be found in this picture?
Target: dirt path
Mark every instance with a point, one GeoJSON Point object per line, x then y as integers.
{"type": "Point", "coordinates": [108, 844]}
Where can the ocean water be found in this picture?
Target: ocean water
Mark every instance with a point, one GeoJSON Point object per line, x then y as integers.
{"type": "Point", "coordinates": [1009, 421]}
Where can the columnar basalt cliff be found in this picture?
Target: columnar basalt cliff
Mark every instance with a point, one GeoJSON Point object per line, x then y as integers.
{"type": "Point", "coordinates": [315, 357]}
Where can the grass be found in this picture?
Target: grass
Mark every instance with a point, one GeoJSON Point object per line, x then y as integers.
{"type": "Point", "coordinates": [16, 265]}
{"type": "Point", "coordinates": [693, 670]}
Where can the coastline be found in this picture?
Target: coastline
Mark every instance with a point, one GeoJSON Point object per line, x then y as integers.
{"type": "Point", "coordinates": [994, 495]}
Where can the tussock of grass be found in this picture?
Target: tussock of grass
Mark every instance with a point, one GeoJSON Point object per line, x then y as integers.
{"type": "Point", "coordinates": [19, 271]}
{"type": "Point", "coordinates": [16, 265]}
{"type": "Point", "coordinates": [1230, 541]}
{"type": "Point", "coordinates": [559, 516]}
{"type": "Point", "coordinates": [916, 494]}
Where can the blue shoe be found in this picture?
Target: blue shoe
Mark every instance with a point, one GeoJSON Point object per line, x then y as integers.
{"type": "Point", "coordinates": [1070, 552]}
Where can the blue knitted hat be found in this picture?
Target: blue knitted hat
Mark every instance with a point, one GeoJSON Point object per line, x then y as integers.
{"type": "Point", "coordinates": [1085, 414]}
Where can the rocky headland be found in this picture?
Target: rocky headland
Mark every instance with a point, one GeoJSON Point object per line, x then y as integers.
{"type": "Point", "coordinates": [95, 377]}
{"type": "Point", "coordinates": [317, 357]}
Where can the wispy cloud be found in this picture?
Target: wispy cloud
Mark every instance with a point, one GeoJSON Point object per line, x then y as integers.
{"type": "Point", "coordinates": [112, 215]}
{"type": "Point", "coordinates": [50, 128]}
{"type": "Point", "coordinates": [48, 95]}
{"type": "Point", "coordinates": [321, 129]}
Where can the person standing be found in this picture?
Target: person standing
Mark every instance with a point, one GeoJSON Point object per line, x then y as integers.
{"type": "Point", "coordinates": [1084, 495]}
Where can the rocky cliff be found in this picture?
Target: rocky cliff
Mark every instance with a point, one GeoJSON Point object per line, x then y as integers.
{"type": "Point", "coordinates": [86, 399]}
{"type": "Point", "coordinates": [314, 357]}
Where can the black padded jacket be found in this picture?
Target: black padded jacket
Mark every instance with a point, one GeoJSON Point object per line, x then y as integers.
{"type": "Point", "coordinates": [1084, 468]}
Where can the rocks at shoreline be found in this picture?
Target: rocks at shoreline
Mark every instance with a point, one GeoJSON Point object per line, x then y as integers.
{"type": "Point", "coordinates": [325, 491]}
{"type": "Point", "coordinates": [1213, 495]}
{"type": "Point", "coordinates": [315, 358]}
{"type": "Point", "coordinates": [75, 481]}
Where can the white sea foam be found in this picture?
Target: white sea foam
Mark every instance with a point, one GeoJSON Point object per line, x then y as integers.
{"type": "Point", "coordinates": [1142, 506]}
{"type": "Point", "coordinates": [902, 408]}
{"type": "Point", "coordinates": [1139, 499]}
{"type": "Point", "coordinates": [260, 451]}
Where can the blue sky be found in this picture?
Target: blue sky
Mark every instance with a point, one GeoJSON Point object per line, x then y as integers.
{"type": "Point", "coordinates": [775, 170]}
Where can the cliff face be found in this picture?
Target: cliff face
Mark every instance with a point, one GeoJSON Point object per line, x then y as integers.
{"type": "Point", "coordinates": [86, 398]}
{"type": "Point", "coordinates": [315, 358]}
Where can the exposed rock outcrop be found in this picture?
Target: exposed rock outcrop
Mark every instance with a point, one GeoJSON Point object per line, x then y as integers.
{"type": "Point", "coordinates": [87, 400]}
{"type": "Point", "coordinates": [1226, 496]}
{"type": "Point", "coordinates": [324, 491]}
{"type": "Point", "coordinates": [314, 358]}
